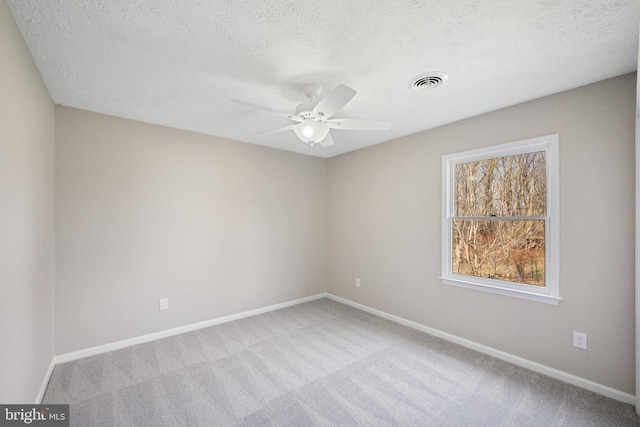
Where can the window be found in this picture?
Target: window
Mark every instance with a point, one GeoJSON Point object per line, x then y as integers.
{"type": "Point", "coordinates": [500, 219]}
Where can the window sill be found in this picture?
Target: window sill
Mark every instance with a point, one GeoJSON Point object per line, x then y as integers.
{"type": "Point", "coordinates": [515, 293]}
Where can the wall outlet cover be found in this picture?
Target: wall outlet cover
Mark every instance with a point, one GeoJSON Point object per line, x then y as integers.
{"type": "Point", "coordinates": [580, 340]}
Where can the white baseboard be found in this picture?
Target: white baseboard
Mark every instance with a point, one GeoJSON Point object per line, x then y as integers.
{"type": "Point", "coordinates": [92, 351]}
{"type": "Point", "coordinates": [45, 382]}
{"type": "Point", "coordinates": [498, 354]}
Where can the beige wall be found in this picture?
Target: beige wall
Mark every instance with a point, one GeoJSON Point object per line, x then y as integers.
{"type": "Point", "coordinates": [27, 126]}
{"type": "Point", "coordinates": [637, 259]}
{"type": "Point", "coordinates": [145, 212]}
{"type": "Point", "coordinates": [384, 227]}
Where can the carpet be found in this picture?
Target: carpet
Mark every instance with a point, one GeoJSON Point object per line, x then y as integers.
{"type": "Point", "coordinates": [319, 363]}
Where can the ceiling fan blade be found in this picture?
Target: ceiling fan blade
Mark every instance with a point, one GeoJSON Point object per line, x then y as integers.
{"type": "Point", "coordinates": [267, 110]}
{"type": "Point", "coordinates": [356, 124]}
{"type": "Point", "coordinates": [333, 101]}
{"type": "Point", "coordinates": [327, 141]}
{"type": "Point", "coordinates": [271, 132]}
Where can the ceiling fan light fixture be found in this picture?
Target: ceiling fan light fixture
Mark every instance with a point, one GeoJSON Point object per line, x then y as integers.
{"type": "Point", "coordinates": [311, 131]}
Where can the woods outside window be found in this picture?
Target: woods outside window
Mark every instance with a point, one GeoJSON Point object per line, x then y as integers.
{"type": "Point", "coordinates": [500, 219]}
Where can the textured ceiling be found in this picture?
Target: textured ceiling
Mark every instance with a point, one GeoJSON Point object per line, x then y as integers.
{"type": "Point", "coordinates": [179, 63]}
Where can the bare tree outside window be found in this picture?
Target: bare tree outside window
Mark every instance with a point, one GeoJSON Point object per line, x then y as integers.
{"type": "Point", "coordinates": [498, 226]}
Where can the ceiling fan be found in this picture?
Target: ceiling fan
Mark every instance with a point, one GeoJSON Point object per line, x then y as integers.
{"type": "Point", "coordinates": [314, 117]}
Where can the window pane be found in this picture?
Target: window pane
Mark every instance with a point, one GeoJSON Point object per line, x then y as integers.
{"type": "Point", "coordinates": [509, 250]}
{"type": "Point", "coordinates": [502, 186]}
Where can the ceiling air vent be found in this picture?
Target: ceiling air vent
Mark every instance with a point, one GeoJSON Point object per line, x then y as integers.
{"type": "Point", "coordinates": [427, 81]}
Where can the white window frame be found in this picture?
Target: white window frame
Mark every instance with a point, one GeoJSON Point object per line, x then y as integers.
{"type": "Point", "coordinates": [550, 293]}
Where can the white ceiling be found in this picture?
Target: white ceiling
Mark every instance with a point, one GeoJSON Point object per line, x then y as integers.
{"type": "Point", "coordinates": [179, 63]}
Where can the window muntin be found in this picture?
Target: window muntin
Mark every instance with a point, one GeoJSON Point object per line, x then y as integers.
{"type": "Point", "coordinates": [500, 219]}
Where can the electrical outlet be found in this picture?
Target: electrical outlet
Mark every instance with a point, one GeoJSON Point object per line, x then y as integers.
{"type": "Point", "coordinates": [164, 303]}
{"type": "Point", "coordinates": [357, 283]}
{"type": "Point", "coordinates": [580, 340]}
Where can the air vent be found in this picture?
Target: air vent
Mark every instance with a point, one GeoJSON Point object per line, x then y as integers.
{"type": "Point", "coordinates": [427, 81]}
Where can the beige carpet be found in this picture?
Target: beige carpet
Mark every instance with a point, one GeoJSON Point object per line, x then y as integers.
{"type": "Point", "coordinates": [317, 364]}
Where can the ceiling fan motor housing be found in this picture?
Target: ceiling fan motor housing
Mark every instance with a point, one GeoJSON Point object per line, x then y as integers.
{"type": "Point", "coordinates": [305, 110]}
